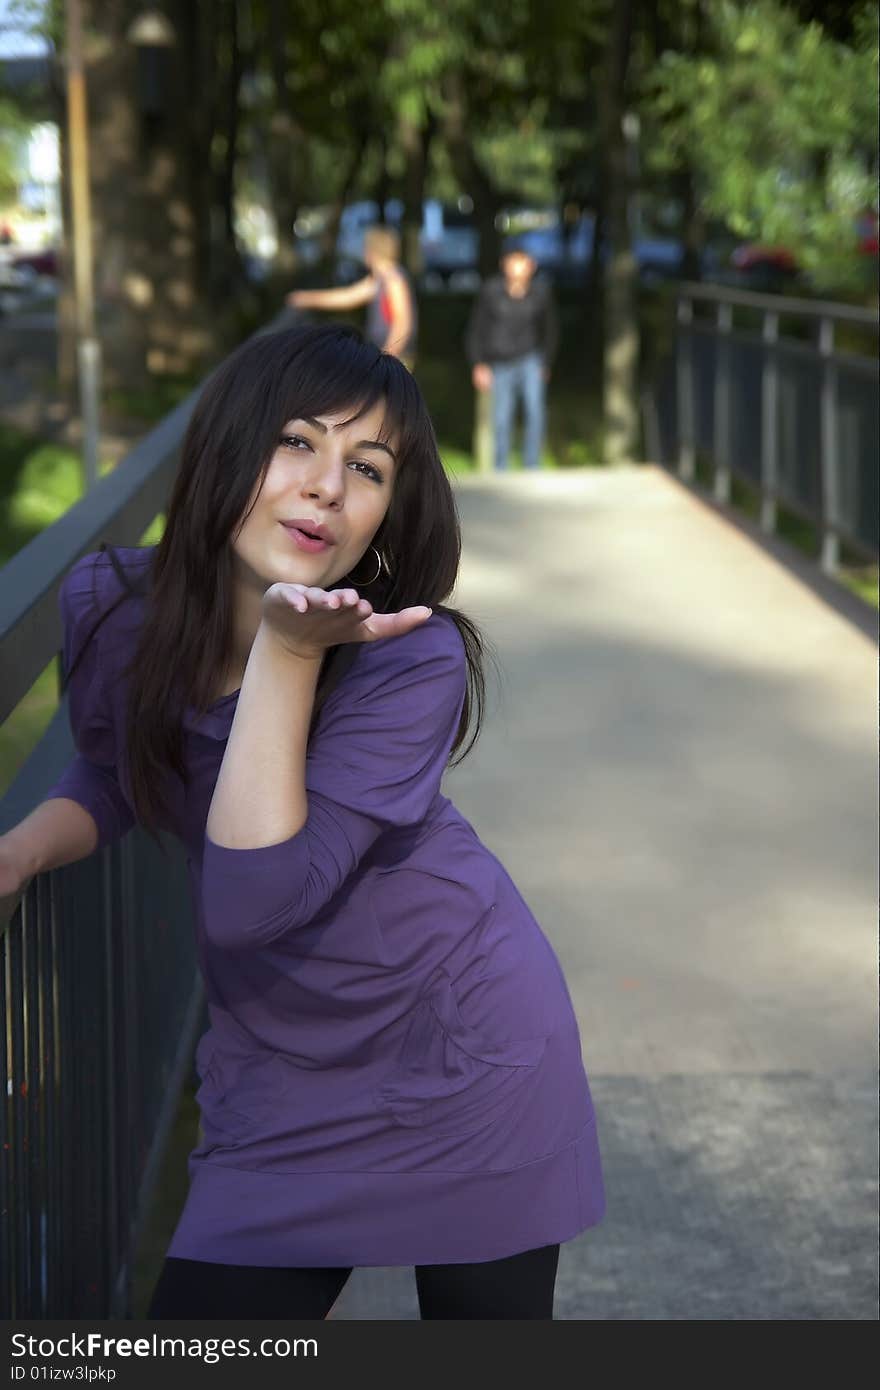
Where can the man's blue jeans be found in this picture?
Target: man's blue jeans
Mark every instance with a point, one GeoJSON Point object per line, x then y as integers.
{"type": "Point", "coordinates": [523, 376]}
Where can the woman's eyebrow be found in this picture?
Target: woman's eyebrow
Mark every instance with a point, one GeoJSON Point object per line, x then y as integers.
{"type": "Point", "coordinates": [376, 444]}
{"type": "Point", "coordinates": [361, 444]}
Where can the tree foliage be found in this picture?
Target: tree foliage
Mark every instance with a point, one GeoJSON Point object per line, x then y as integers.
{"type": "Point", "coordinates": [779, 120]}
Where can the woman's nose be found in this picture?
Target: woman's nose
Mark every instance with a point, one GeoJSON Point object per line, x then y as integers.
{"type": "Point", "coordinates": [325, 480]}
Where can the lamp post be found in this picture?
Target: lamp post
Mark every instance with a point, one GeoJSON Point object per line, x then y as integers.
{"type": "Point", "coordinates": [88, 350]}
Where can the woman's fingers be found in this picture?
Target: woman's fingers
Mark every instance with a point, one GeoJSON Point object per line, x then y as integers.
{"type": "Point", "coordinates": [349, 617]}
{"type": "Point", "coordinates": [324, 598]}
{"type": "Point", "coordinates": [382, 625]}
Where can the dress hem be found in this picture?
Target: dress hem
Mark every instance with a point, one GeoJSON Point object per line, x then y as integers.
{"type": "Point", "coordinates": [392, 1218]}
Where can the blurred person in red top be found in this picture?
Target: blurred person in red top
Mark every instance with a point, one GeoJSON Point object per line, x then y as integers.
{"type": "Point", "coordinates": [385, 290]}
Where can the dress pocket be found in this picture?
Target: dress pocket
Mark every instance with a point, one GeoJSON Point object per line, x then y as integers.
{"type": "Point", "coordinates": [238, 1093]}
{"type": "Point", "coordinates": [450, 1080]}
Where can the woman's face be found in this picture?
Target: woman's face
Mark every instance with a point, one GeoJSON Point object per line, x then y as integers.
{"type": "Point", "coordinates": [326, 491]}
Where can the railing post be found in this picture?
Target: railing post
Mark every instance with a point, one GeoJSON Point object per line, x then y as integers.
{"type": "Point", "coordinates": [830, 558]}
{"type": "Point", "coordinates": [684, 377]}
{"type": "Point", "coordinates": [769, 422]}
{"type": "Point", "coordinates": [721, 433]}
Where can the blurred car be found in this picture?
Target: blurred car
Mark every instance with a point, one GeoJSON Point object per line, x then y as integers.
{"type": "Point", "coordinates": [765, 269]}
{"type": "Point", "coordinates": [449, 238]}
{"type": "Point", "coordinates": [866, 232]}
{"type": "Point", "coordinates": [450, 242]}
{"type": "Point", "coordinates": [777, 269]}
{"type": "Point", "coordinates": [21, 282]}
{"type": "Point", "coordinates": [45, 262]}
{"type": "Point", "coordinates": [564, 250]}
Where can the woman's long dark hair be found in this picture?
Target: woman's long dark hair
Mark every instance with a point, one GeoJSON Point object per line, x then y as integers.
{"type": "Point", "coordinates": [185, 644]}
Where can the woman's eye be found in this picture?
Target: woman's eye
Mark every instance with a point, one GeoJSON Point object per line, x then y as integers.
{"type": "Point", "coordinates": [291, 441]}
{"type": "Point", "coordinates": [368, 470]}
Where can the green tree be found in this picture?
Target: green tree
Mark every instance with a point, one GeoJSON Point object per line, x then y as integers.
{"type": "Point", "coordinates": [779, 120]}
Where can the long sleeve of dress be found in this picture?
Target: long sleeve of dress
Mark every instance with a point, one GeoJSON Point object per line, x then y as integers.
{"type": "Point", "coordinates": [91, 779]}
{"type": "Point", "coordinates": [375, 763]}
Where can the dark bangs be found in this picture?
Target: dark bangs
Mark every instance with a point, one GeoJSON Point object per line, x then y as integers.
{"type": "Point", "coordinates": [327, 370]}
{"type": "Point", "coordinates": [337, 372]}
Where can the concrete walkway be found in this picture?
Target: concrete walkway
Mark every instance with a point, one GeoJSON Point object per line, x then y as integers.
{"type": "Point", "coordinates": [681, 775]}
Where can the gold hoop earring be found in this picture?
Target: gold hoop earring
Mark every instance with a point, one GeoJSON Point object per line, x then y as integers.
{"type": "Point", "coordinates": [365, 583]}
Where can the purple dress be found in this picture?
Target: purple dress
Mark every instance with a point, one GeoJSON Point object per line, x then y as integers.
{"type": "Point", "coordinates": [392, 1074]}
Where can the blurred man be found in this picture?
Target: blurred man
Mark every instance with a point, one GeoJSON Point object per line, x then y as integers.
{"type": "Point", "coordinates": [386, 290]}
{"type": "Point", "coordinates": [511, 342]}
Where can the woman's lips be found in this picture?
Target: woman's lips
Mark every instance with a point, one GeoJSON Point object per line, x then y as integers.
{"type": "Point", "coordinates": [311, 544]}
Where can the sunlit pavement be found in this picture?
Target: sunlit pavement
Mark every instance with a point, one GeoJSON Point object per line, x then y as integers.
{"type": "Point", "coordinates": [681, 775]}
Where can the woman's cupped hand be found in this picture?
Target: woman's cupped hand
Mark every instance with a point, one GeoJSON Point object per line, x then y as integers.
{"type": "Point", "coordinates": [306, 621]}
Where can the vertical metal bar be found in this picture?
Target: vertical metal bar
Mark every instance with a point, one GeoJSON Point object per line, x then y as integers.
{"type": "Point", "coordinates": [90, 1075]}
{"type": "Point", "coordinates": [829, 510]}
{"type": "Point", "coordinates": [113, 1137]}
{"type": "Point", "coordinates": [45, 1098]}
{"type": "Point", "coordinates": [32, 1142]}
{"type": "Point", "coordinates": [68, 1205]}
{"type": "Point", "coordinates": [769, 421]}
{"type": "Point", "coordinates": [684, 375]}
{"type": "Point", "coordinates": [34, 1104]}
{"type": "Point", "coordinates": [132, 1071]}
{"type": "Point", "coordinates": [721, 437]}
{"type": "Point", "coordinates": [18, 1222]}
{"type": "Point", "coordinates": [7, 1271]}
{"type": "Point", "coordinates": [54, 1156]}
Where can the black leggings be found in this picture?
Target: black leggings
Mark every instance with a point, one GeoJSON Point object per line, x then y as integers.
{"type": "Point", "coordinates": [518, 1287]}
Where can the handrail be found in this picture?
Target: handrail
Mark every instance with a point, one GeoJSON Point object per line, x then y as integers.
{"type": "Point", "coordinates": [777, 304]}
{"type": "Point", "coordinates": [795, 422]}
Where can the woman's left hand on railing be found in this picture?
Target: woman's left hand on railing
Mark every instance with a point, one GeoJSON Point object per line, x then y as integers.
{"type": "Point", "coordinates": [14, 877]}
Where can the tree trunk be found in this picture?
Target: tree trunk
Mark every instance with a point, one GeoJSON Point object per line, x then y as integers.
{"type": "Point", "coordinates": [470, 174]}
{"type": "Point", "coordinates": [150, 317]}
{"type": "Point", "coordinates": [330, 234]}
{"type": "Point", "coordinates": [286, 163]}
{"type": "Point", "coordinates": [226, 192]}
{"type": "Point", "coordinates": [693, 228]}
{"type": "Point", "coordinates": [287, 155]}
{"type": "Point", "coordinates": [416, 143]}
{"type": "Point", "coordinates": [382, 185]}
{"type": "Point", "coordinates": [621, 348]}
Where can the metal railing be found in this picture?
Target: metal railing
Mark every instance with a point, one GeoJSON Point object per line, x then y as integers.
{"type": "Point", "coordinates": [98, 973]}
{"type": "Point", "coordinates": [793, 417]}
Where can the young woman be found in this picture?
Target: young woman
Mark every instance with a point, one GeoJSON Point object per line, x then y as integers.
{"type": "Point", "coordinates": [392, 1074]}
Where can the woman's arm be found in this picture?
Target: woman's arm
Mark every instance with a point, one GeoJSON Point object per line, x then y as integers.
{"type": "Point", "coordinates": [260, 794]}
{"type": "Point", "coordinates": [344, 297]}
{"type": "Point", "coordinates": [57, 832]}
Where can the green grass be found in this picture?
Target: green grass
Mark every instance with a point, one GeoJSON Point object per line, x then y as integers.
{"type": "Point", "coordinates": [864, 581]}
